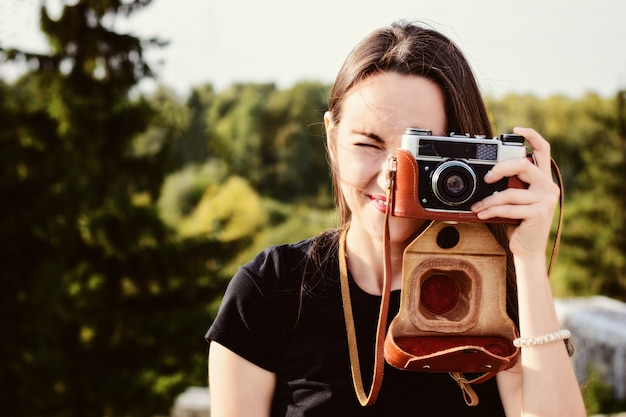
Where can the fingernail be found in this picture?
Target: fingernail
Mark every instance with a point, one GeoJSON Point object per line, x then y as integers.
{"type": "Point", "coordinates": [488, 175]}
{"type": "Point", "coordinates": [476, 206]}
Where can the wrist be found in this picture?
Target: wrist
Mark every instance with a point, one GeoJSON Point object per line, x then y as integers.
{"type": "Point", "coordinates": [531, 265]}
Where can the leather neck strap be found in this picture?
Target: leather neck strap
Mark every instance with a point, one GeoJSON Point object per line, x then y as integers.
{"type": "Point", "coordinates": [379, 360]}
{"type": "Point", "coordinates": [557, 236]}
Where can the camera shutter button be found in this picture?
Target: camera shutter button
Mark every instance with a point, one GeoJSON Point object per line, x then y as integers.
{"type": "Point", "coordinates": [511, 138]}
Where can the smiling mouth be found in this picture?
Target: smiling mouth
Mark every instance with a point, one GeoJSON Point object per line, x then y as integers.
{"type": "Point", "coordinates": [381, 202]}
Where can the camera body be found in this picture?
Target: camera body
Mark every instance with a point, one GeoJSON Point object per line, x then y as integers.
{"type": "Point", "coordinates": [450, 169]}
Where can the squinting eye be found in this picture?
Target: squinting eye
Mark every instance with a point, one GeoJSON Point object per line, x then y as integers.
{"type": "Point", "coordinates": [368, 145]}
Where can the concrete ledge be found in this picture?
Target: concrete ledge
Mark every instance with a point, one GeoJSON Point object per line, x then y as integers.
{"type": "Point", "coordinates": [598, 326]}
{"type": "Point", "coordinates": [194, 402]}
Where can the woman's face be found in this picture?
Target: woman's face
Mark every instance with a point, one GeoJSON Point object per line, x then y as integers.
{"type": "Point", "coordinates": [374, 115]}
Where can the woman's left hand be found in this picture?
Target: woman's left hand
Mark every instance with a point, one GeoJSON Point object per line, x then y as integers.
{"type": "Point", "coordinates": [534, 206]}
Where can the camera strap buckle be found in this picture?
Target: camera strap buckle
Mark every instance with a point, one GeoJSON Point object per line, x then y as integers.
{"type": "Point", "coordinates": [392, 168]}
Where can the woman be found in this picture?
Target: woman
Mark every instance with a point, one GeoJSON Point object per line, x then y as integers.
{"type": "Point", "coordinates": [278, 346]}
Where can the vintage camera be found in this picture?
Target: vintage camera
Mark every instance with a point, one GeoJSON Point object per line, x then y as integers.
{"type": "Point", "coordinates": [451, 168]}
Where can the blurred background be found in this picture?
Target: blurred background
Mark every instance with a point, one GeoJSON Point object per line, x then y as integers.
{"type": "Point", "coordinates": [148, 148]}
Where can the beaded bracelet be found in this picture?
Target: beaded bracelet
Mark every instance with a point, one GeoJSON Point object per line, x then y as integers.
{"type": "Point", "coordinates": [542, 340]}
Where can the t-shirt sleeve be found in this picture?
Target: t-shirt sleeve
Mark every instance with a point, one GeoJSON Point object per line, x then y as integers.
{"type": "Point", "coordinates": [255, 311]}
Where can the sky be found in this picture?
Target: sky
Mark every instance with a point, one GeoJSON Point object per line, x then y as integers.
{"type": "Point", "coordinates": [541, 47]}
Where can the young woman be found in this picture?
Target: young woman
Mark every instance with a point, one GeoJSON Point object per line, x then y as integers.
{"type": "Point", "coordinates": [278, 346]}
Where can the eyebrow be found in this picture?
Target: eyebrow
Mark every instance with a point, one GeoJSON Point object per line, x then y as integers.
{"type": "Point", "coordinates": [370, 135]}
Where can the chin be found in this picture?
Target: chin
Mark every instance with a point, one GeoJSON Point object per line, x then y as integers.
{"type": "Point", "coordinates": [403, 229]}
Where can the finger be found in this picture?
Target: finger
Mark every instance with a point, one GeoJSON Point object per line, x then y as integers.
{"type": "Point", "coordinates": [533, 213]}
{"type": "Point", "coordinates": [510, 196]}
{"type": "Point", "coordinates": [540, 146]}
{"type": "Point", "coordinates": [519, 167]}
{"type": "Point", "coordinates": [522, 206]}
{"type": "Point", "coordinates": [540, 189]}
{"type": "Point", "coordinates": [516, 204]}
{"type": "Point", "coordinates": [504, 212]}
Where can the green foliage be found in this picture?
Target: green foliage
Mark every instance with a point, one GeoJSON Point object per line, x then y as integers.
{"type": "Point", "coordinates": [169, 120]}
{"type": "Point", "coordinates": [228, 212]}
{"type": "Point", "coordinates": [599, 396]}
{"type": "Point", "coordinates": [191, 147]}
{"type": "Point", "coordinates": [594, 217]}
{"type": "Point", "coordinates": [183, 189]}
{"type": "Point", "coordinates": [588, 141]}
{"type": "Point", "coordinates": [285, 223]}
{"type": "Point", "coordinates": [105, 305]}
{"type": "Point", "coordinates": [272, 138]}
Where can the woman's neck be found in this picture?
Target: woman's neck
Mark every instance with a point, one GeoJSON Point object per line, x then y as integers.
{"type": "Point", "coordinates": [366, 261]}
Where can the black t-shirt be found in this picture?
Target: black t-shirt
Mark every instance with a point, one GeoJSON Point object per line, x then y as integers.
{"type": "Point", "coordinates": [296, 330]}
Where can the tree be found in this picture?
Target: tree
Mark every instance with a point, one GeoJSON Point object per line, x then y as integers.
{"type": "Point", "coordinates": [192, 146]}
{"type": "Point", "coordinates": [273, 138]}
{"type": "Point", "coordinates": [595, 223]}
{"type": "Point", "coordinates": [302, 167]}
{"type": "Point", "coordinates": [588, 141]}
{"type": "Point", "coordinates": [105, 306]}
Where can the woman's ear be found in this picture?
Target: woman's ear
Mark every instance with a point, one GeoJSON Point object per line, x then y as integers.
{"type": "Point", "coordinates": [328, 123]}
{"type": "Point", "coordinates": [330, 126]}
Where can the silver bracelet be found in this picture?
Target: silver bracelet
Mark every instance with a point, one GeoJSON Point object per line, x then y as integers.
{"type": "Point", "coordinates": [542, 340]}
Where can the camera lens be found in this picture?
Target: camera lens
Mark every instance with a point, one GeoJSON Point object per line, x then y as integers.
{"type": "Point", "coordinates": [453, 182]}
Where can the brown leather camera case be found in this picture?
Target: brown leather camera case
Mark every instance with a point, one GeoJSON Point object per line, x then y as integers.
{"type": "Point", "coordinates": [453, 314]}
